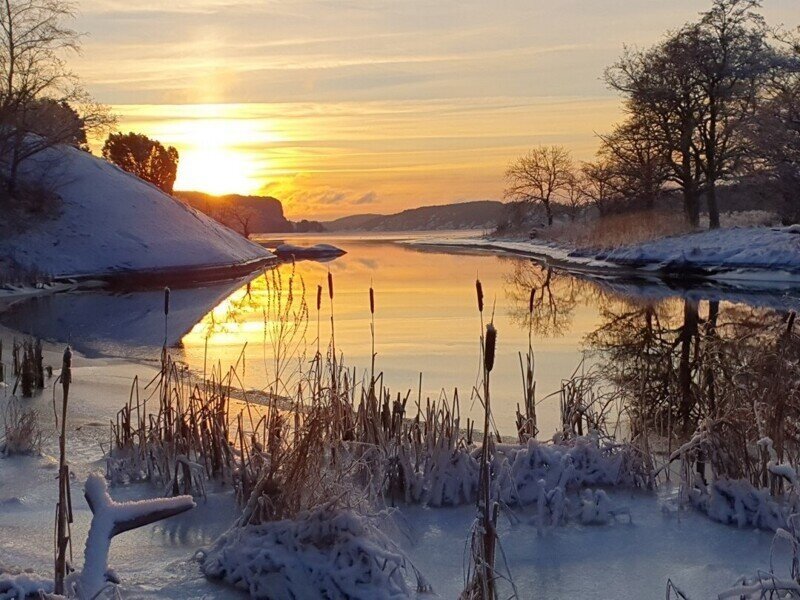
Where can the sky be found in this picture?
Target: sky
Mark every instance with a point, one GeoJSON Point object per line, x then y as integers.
{"type": "Point", "coordinates": [339, 107]}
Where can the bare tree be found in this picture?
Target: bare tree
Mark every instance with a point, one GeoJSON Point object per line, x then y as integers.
{"type": "Point", "coordinates": [631, 164]}
{"type": "Point", "coordinates": [660, 90]}
{"type": "Point", "coordinates": [34, 43]}
{"type": "Point", "coordinates": [542, 175]}
{"type": "Point", "coordinates": [733, 64]}
{"type": "Point", "coordinates": [602, 184]}
{"type": "Point", "coordinates": [574, 196]}
{"type": "Point", "coordinates": [697, 90]}
{"type": "Point", "coordinates": [237, 217]}
{"type": "Point", "coordinates": [775, 132]}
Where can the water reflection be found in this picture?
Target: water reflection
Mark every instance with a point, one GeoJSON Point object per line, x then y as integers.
{"type": "Point", "coordinates": [670, 351]}
{"type": "Point", "coordinates": [118, 323]}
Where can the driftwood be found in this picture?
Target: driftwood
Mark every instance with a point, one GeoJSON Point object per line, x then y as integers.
{"type": "Point", "coordinates": [111, 518]}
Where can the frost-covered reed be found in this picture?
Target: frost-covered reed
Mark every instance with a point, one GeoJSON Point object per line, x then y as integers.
{"type": "Point", "coordinates": [326, 452]}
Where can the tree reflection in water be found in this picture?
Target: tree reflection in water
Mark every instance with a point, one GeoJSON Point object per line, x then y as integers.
{"type": "Point", "coordinates": [556, 296]}
{"type": "Point", "coordinates": [678, 363]}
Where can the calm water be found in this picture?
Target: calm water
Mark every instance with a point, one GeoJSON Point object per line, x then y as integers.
{"type": "Point", "coordinates": [426, 320]}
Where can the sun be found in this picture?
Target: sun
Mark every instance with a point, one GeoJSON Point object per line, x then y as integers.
{"type": "Point", "coordinates": [218, 154]}
{"type": "Point", "coordinates": [216, 171]}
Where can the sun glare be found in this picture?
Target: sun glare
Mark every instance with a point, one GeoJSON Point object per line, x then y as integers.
{"type": "Point", "coordinates": [214, 158]}
{"type": "Point", "coordinates": [215, 171]}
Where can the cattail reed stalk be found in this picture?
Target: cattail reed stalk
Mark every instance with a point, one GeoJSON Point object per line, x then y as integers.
{"type": "Point", "coordinates": [527, 426]}
{"type": "Point", "coordinates": [319, 309]}
{"type": "Point", "coordinates": [372, 332]}
{"type": "Point", "coordinates": [166, 314]}
{"type": "Point", "coordinates": [335, 378]}
{"type": "Point", "coordinates": [484, 537]}
{"type": "Point", "coordinates": [490, 344]}
{"type": "Point", "coordinates": [64, 506]}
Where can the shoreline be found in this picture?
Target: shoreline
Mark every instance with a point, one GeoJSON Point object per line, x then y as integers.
{"type": "Point", "coordinates": [606, 264]}
{"type": "Point", "coordinates": [144, 279]}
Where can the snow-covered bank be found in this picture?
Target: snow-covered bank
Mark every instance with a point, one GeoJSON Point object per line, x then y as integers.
{"type": "Point", "coordinates": [752, 257]}
{"type": "Point", "coordinates": [110, 222]}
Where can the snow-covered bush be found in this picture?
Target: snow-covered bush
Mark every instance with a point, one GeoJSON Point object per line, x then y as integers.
{"type": "Point", "coordinates": [19, 585]}
{"type": "Point", "coordinates": [327, 552]}
{"type": "Point", "coordinates": [22, 433]}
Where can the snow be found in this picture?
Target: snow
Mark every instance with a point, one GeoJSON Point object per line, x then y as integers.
{"type": "Point", "coordinates": [110, 221]}
{"type": "Point", "coordinates": [324, 553]}
{"type": "Point", "coordinates": [111, 518]}
{"type": "Point", "coordinates": [627, 552]}
{"type": "Point", "coordinates": [746, 248]}
{"type": "Point", "coordinates": [315, 251]}
{"type": "Point", "coordinates": [18, 586]}
{"type": "Point", "coordinates": [760, 257]}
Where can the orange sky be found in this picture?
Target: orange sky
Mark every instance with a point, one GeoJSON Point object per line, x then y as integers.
{"type": "Point", "coordinates": [344, 106]}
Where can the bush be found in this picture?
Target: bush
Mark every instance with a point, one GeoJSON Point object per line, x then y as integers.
{"type": "Point", "coordinates": [22, 434]}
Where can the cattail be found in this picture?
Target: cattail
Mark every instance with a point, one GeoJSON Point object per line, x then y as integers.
{"type": "Point", "coordinates": [166, 301]}
{"type": "Point", "coordinates": [66, 366]}
{"type": "Point", "coordinates": [530, 301]}
{"type": "Point", "coordinates": [479, 290]}
{"type": "Point", "coordinates": [330, 284]}
{"type": "Point", "coordinates": [319, 297]}
{"type": "Point", "coordinates": [490, 343]}
{"type": "Point", "coordinates": [371, 300]}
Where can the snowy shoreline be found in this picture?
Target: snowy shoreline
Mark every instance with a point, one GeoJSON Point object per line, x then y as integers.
{"type": "Point", "coordinates": [112, 226]}
{"type": "Point", "coordinates": [751, 257]}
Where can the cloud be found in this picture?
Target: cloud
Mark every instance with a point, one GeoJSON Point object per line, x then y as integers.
{"type": "Point", "coordinates": [368, 198]}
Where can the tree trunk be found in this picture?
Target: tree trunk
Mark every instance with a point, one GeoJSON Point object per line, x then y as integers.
{"type": "Point", "coordinates": [691, 205]}
{"type": "Point", "coordinates": [713, 209]}
{"type": "Point", "coordinates": [549, 211]}
{"type": "Point", "coordinates": [711, 338]}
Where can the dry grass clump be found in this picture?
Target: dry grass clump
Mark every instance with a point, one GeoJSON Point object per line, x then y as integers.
{"type": "Point", "coordinates": [28, 366]}
{"type": "Point", "coordinates": [614, 231]}
{"type": "Point", "coordinates": [180, 435]}
{"type": "Point", "coordinates": [22, 432]}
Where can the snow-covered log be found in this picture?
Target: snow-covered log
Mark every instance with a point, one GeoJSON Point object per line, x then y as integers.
{"type": "Point", "coordinates": [111, 518]}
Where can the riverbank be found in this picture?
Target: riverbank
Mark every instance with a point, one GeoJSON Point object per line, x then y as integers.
{"type": "Point", "coordinates": [752, 257]}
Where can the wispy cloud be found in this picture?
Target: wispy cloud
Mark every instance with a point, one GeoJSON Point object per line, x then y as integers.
{"type": "Point", "coordinates": [334, 105]}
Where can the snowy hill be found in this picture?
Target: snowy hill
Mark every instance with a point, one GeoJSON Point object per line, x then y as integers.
{"type": "Point", "coordinates": [110, 222]}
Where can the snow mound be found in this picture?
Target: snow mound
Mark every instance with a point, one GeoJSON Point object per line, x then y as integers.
{"type": "Point", "coordinates": [315, 251]}
{"type": "Point", "coordinates": [18, 585]}
{"type": "Point", "coordinates": [324, 553]}
{"type": "Point", "coordinates": [110, 221]}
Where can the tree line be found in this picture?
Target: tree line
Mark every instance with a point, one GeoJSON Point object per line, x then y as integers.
{"type": "Point", "coordinates": [714, 102]}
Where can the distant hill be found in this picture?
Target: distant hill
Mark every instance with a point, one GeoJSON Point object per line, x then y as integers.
{"type": "Point", "coordinates": [480, 214]}
{"type": "Point", "coordinates": [266, 212]}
